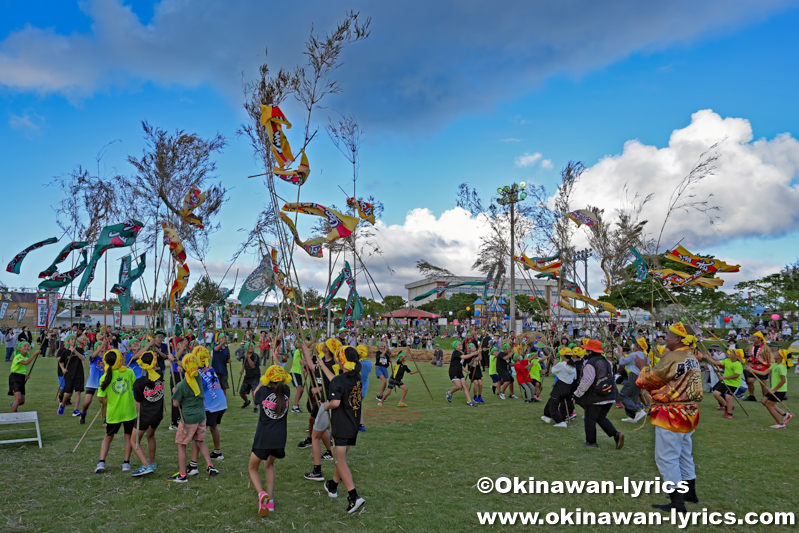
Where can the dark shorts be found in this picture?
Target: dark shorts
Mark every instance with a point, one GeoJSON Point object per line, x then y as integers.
{"type": "Point", "coordinates": [91, 391]}
{"type": "Point", "coordinates": [213, 419]}
{"type": "Point", "coordinates": [151, 422]}
{"type": "Point", "coordinates": [249, 385]}
{"type": "Point", "coordinates": [313, 407]}
{"type": "Point", "coordinates": [73, 384]}
{"type": "Point", "coordinates": [16, 383]}
{"type": "Point", "coordinates": [750, 375]}
{"type": "Point", "coordinates": [394, 383]}
{"type": "Point", "coordinates": [342, 441]}
{"type": "Point", "coordinates": [535, 381]}
{"type": "Point", "coordinates": [223, 381]}
{"type": "Point", "coordinates": [776, 397]}
{"type": "Point", "coordinates": [494, 378]}
{"type": "Point", "coordinates": [476, 373]}
{"type": "Point", "coordinates": [296, 379]}
{"type": "Point", "coordinates": [455, 375]}
{"type": "Point", "coordinates": [111, 429]}
{"type": "Point", "coordinates": [264, 453]}
{"type": "Point", "coordinates": [724, 389]}
{"type": "Point", "coordinates": [505, 376]}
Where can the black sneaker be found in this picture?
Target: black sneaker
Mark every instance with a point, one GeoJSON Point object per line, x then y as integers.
{"type": "Point", "coordinates": [314, 476]}
{"type": "Point", "coordinates": [330, 492]}
{"type": "Point", "coordinates": [379, 398]}
{"type": "Point", "coordinates": [327, 456]}
{"type": "Point", "coordinates": [305, 443]}
{"type": "Point", "coordinates": [211, 470]}
{"type": "Point", "coordinates": [177, 478]}
{"type": "Point", "coordinates": [82, 418]}
{"type": "Point", "coordinates": [296, 409]}
{"type": "Point", "coordinates": [591, 444]}
{"type": "Point", "coordinates": [192, 470]}
{"type": "Point", "coordinates": [247, 403]}
{"type": "Point", "coordinates": [217, 456]}
{"type": "Point", "coordinates": [750, 398]}
{"type": "Point", "coordinates": [354, 505]}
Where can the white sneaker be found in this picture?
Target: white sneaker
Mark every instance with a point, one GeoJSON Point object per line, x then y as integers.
{"type": "Point", "coordinates": [561, 425]}
{"type": "Point", "coordinates": [639, 415]}
{"type": "Point", "coordinates": [626, 419]}
{"type": "Point", "coordinates": [126, 467]}
{"type": "Point", "coordinates": [546, 419]}
{"type": "Point", "coordinates": [501, 396]}
{"type": "Point", "coordinates": [514, 397]}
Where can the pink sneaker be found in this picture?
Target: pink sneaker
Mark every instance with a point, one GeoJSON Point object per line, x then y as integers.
{"type": "Point", "coordinates": [271, 506]}
{"type": "Point", "coordinates": [788, 416]}
{"type": "Point", "coordinates": [263, 506]}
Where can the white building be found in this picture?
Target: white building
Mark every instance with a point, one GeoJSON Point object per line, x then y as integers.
{"type": "Point", "coordinates": [541, 288]}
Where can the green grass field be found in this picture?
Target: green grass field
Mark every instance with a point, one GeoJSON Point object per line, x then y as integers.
{"type": "Point", "coordinates": [417, 468]}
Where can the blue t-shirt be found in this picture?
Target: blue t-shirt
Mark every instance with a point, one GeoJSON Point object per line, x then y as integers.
{"type": "Point", "coordinates": [366, 367]}
{"type": "Point", "coordinates": [161, 364]}
{"type": "Point", "coordinates": [212, 391]}
{"type": "Point", "coordinates": [95, 371]}
{"type": "Point", "coordinates": [133, 365]}
{"type": "Point", "coordinates": [218, 360]}
{"type": "Point", "coordinates": [175, 364]}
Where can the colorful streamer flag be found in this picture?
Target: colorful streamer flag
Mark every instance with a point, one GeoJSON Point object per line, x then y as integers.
{"type": "Point", "coordinates": [677, 278]}
{"type": "Point", "coordinates": [16, 262]}
{"type": "Point", "coordinates": [607, 274]}
{"type": "Point", "coordinates": [172, 240]}
{"type": "Point", "coordinates": [279, 278]}
{"type": "Point", "coordinates": [127, 276]}
{"type": "Point", "coordinates": [566, 305]}
{"type": "Point", "coordinates": [62, 255]}
{"type": "Point", "coordinates": [312, 247]}
{"type": "Point", "coordinates": [365, 210]}
{"type": "Point", "coordinates": [353, 307]}
{"type": "Point", "coordinates": [441, 289]}
{"type": "Point", "coordinates": [537, 265]}
{"type": "Point", "coordinates": [431, 293]}
{"type": "Point", "coordinates": [567, 294]}
{"type": "Point", "coordinates": [341, 225]}
{"type": "Point", "coordinates": [273, 120]}
{"type": "Point", "coordinates": [640, 265]}
{"type": "Point", "coordinates": [113, 236]}
{"type": "Point", "coordinates": [489, 276]}
{"type": "Point", "coordinates": [681, 255]}
{"type": "Point", "coordinates": [583, 216]}
{"type": "Point", "coordinates": [193, 199]}
{"type": "Point", "coordinates": [261, 279]}
{"type": "Point", "coordinates": [180, 283]}
{"type": "Point", "coordinates": [298, 176]}
{"type": "Point", "coordinates": [65, 278]}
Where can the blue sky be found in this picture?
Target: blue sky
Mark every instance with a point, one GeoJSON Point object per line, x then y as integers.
{"type": "Point", "coordinates": [447, 94]}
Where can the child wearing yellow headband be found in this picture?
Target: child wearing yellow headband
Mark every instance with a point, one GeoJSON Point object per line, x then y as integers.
{"type": "Point", "coordinates": [778, 390]}
{"type": "Point", "coordinates": [345, 407]}
{"type": "Point", "coordinates": [148, 391]}
{"type": "Point", "coordinates": [400, 369]}
{"type": "Point", "coordinates": [188, 397]}
{"type": "Point", "coordinates": [322, 370]}
{"type": "Point", "coordinates": [116, 386]}
{"type": "Point", "coordinates": [272, 401]}
{"type": "Point", "coordinates": [215, 404]}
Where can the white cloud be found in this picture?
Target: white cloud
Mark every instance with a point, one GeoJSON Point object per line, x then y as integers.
{"type": "Point", "coordinates": [546, 163]}
{"type": "Point", "coordinates": [28, 122]}
{"type": "Point", "coordinates": [755, 182]}
{"type": "Point", "coordinates": [528, 160]}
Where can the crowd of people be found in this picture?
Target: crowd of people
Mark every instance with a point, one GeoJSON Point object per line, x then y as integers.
{"type": "Point", "coordinates": [659, 370]}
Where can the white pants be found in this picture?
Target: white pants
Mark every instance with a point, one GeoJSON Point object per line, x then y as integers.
{"type": "Point", "coordinates": [673, 455]}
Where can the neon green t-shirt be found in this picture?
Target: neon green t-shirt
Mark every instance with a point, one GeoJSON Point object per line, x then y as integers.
{"type": "Point", "coordinates": [730, 369]}
{"type": "Point", "coordinates": [16, 366]}
{"type": "Point", "coordinates": [535, 370]}
{"type": "Point", "coordinates": [295, 362]}
{"type": "Point", "coordinates": [776, 375]}
{"type": "Point", "coordinates": [121, 406]}
{"type": "Point", "coordinates": [492, 364]}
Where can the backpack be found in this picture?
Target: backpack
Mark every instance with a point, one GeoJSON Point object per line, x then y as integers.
{"type": "Point", "coordinates": [604, 381]}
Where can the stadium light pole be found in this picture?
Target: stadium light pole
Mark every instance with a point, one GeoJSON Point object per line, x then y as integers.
{"type": "Point", "coordinates": [510, 195]}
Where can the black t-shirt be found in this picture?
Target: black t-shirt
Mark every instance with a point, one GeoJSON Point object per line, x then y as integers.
{"type": "Point", "coordinates": [400, 370]}
{"type": "Point", "coordinates": [150, 394]}
{"type": "Point", "coordinates": [329, 364]}
{"type": "Point", "coordinates": [484, 345]}
{"type": "Point", "coordinates": [455, 363]}
{"type": "Point", "coordinates": [502, 364]}
{"type": "Point", "coordinates": [271, 432]}
{"type": "Point", "coordinates": [255, 372]}
{"type": "Point", "coordinates": [345, 419]}
{"type": "Point", "coordinates": [74, 365]}
{"type": "Point", "coordinates": [382, 359]}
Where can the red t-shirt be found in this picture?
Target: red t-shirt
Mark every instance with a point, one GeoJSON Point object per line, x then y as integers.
{"type": "Point", "coordinates": [522, 373]}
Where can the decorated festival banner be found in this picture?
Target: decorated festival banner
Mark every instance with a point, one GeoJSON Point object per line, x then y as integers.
{"type": "Point", "coordinates": [298, 176]}
{"type": "Point", "coordinates": [365, 210]}
{"type": "Point", "coordinates": [312, 247]}
{"type": "Point", "coordinates": [607, 274]}
{"type": "Point", "coordinates": [21, 312]}
{"type": "Point", "coordinates": [3, 310]}
{"type": "Point", "coordinates": [65, 278]}
{"type": "Point", "coordinates": [114, 236]}
{"type": "Point", "coordinates": [640, 265]}
{"type": "Point", "coordinates": [681, 255]}
{"type": "Point", "coordinates": [127, 276]}
{"type": "Point", "coordinates": [341, 225]}
{"type": "Point", "coordinates": [273, 120]}
{"type": "Point", "coordinates": [261, 279]}
{"type": "Point", "coordinates": [172, 240]}
{"type": "Point", "coordinates": [41, 312]}
{"type": "Point", "coordinates": [596, 303]}
{"type": "Point", "coordinates": [15, 263]}
{"type": "Point", "coordinates": [62, 255]}
{"type": "Point", "coordinates": [193, 199]}
{"type": "Point", "coordinates": [677, 278]}
{"type": "Point", "coordinates": [180, 283]}
{"type": "Point", "coordinates": [583, 216]}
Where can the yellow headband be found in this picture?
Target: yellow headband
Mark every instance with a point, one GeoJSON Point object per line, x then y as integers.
{"type": "Point", "coordinates": [643, 344]}
{"type": "Point", "coordinates": [275, 374]}
{"type": "Point", "coordinates": [342, 359]}
{"type": "Point", "coordinates": [203, 355]}
{"type": "Point", "coordinates": [363, 351]}
{"type": "Point", "coordinates": [152, 374]}
{"type": "Point", "coordinates": [679, 329]}
{"type": "Point", "coordinates": [119, 365]}
{"type": "Point", "coordinates": [759, 334]}
{"type": "Point", "coordinates": [565, 351]}
{"type": "Point", "coordinates": [661, 349]}
{"type": "Point", "coordinates": [784, 354]}
{"type": "Point", "coordinates": [737, 352]}
{"type": "Point", "coordinates": [333, 345]}
{"type": "Point", "coordinates": [578, 352]}
{"type": "Point", "coordinates": [191, 366]}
